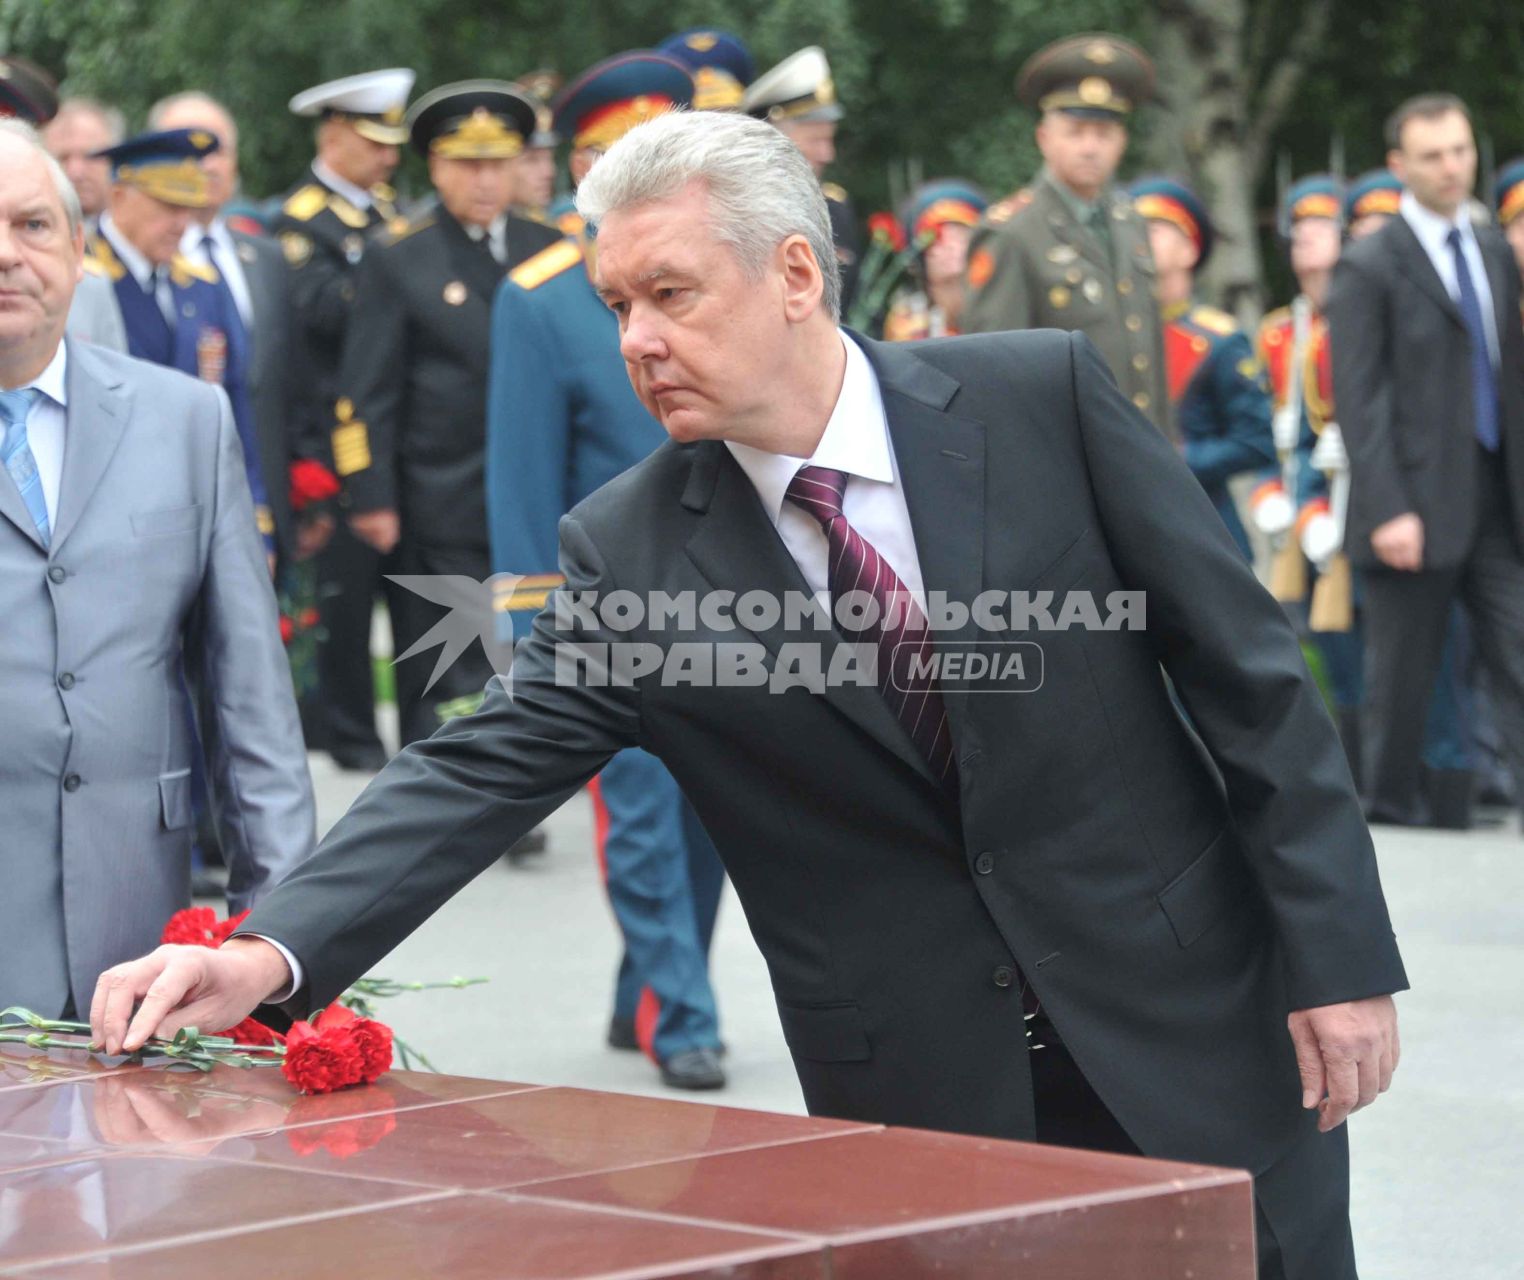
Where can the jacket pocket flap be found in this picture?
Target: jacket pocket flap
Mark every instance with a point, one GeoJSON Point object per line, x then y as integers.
{"type": "Point", "coordinates": [1194, 899]}
{"type": "Point", "coordinates": [166, 520]}
{"type": "Point", "coordinates": [825, 1033]}
{"type": "Point", "coordinates": [175, 799]}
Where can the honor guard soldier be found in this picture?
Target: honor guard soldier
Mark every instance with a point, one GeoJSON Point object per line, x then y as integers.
{"type": "Point", "coordinates": [1219, 398]}
{"type": "Point", "coordinates": [563, 420]}
{"type": "Point", "coordinates": [720, 63]}
{"type": "Point", "coordinates": [798, 97]}
{"type": "Point", "coordinates": [1370, 201]}
{"type": "Point", "coordinates": [409, 431]}
{"type": "Point", "coordinates": [174, 312]}
{"type": "Point", "coordinates": [938, 219]}
{"type": "Point", "coordinates": [323, 226]}
{"type": "Point", "coordinates": [1508, 196]}
{"type": "Point", "coordinates": [1076, 255]}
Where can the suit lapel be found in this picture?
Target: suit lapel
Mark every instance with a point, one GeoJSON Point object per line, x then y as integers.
{"type": "Point", "coordinates": [1415, 262]}
{"type": "Point", "coordinates": [14, 509]}
{"type": "Point", "coordinates": [97, 415]}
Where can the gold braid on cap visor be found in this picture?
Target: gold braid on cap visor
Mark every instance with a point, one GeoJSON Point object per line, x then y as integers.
{"type": "Point", "coordinates": [181, 183]}
{"type": "Point", "coordinates": [478, 136]}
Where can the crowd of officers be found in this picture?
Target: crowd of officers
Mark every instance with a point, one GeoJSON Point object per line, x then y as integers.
{"type": "Point", "coordinates": [423, 389]}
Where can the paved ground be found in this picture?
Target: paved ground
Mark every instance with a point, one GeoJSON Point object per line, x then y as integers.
{"type": "Point", "coordinates": [1439, 1162]}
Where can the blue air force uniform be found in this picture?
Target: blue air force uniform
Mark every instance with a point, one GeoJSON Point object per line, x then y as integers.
{"type": "Point", "coordinates": [562, 420]}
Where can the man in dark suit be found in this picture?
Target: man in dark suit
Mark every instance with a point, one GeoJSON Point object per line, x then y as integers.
{"type": "Point", "coordinates": [411, 432]}
{"type": "Point", "coordinates": [929, 865]}
{"type": "Point", "coordinates": [1428, 367]}
{"type": "Point", "coordinates": [253, 272]}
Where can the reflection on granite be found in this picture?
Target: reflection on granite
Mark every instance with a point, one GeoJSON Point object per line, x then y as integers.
{"type": "Point", "coordinates": [134, 1171]}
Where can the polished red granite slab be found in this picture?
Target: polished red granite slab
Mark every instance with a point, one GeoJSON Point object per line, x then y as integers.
{"type": "Point", "coordinates": [135, 1171]}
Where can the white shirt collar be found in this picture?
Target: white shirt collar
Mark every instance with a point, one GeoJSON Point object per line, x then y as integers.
{"type": "Point", "coordinates": [54, 380]}
{"type": "Point", "coordinates": [357, 196]}
{"type": "Point", "coordinates": [217, 228]}
{"type": "Point", "coordinates": [856, 439]}
{"type": "Point", "coordinates": [1431, 229]}
{"type": "Point", "coordinates": [141, 268]}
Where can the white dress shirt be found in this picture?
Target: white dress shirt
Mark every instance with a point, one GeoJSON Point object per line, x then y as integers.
{"type": "Point", "coordinates": [45, 425]}
{"type": "Point", "coordinates": [357, 196]}
{"type": "Point", "coordinates": [1433, 234]}
{"type": "Point", "coordinates": [228, 264]}
{"type": "Point", "coordinates": [856, 441]}
{"type": "Point", "coordinates": [151, 279]}
{"type": "Point", "coordinates": [496, 235]}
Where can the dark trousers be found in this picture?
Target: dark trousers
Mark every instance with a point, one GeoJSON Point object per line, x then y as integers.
{"type": "Point", "coordinates": [1301, 1203]}
{"type": "Point", "coordinates": [1406, 616]}
{"type": "Point", "coordinates": [349, 581]}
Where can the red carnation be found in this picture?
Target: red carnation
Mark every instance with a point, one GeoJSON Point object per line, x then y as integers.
{"type": "Point", "coordinates": [311, 482]}
{"type": "Point", "coordinates": [251, 1032]}
{"type": "Point", "coordinates": [192, 927]}
{"type": "Point", "coordinates": [287, 629]}
{"type": "Point", "coordinates": [374, 1039]}
{"type": "Point", "coordinates": [886, 227]}
{"type": "Point", "coordinates": [322, 1061]}
{"type": "Point", "coordinates": [225, 929]}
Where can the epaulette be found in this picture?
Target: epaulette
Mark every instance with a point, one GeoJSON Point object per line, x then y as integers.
{"type": "Point", "coordinates": [1005, 210]}
{"type": "Point", "coordinates": [1277, 319]}
{"type": "Point", "coordinates": [1213, 321]}
{"type": "Point", "coordinates": [96, 267]}
{"type": "Point", "coordinates": [834, 191]}
{"type": "Point", "coordinates": [399, 228]}
{"type": "Point", "coordinates": [346, 212]}
{"type": "Point", "coordinates": [547, 264]}
{"type": "Point", "coordinates": [182, 271]}
{"type": "Point", "coordinates": [384, 192]}
{"type": "Point", "coordinates": [105, 258]}
{"type": "Point", "coordinates": [306, 203]}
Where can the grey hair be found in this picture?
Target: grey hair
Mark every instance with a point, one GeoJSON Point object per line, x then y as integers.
{"type": "Point", "coordinates": [190, 97]}
{"type": "Point", "coordinates": [761, 188]}
{"type": "Point", "coordinates": [67, 196]}
{"type": "Point", "coordinates": [115, 122]}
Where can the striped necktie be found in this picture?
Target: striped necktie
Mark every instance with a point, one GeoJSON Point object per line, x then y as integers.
{"type": "Point", "coordinates": [15, 407]}
{"type": "Point", "coordinates": [901, 632]}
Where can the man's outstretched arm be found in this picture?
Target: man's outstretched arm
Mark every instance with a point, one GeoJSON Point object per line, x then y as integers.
{"type": "Point", "coordinates": [440, 813]}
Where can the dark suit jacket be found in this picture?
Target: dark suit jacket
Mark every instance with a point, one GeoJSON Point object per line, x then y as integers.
{"type": "Point", "coordinates": [415, 372]}
{"type": "Point", "coordinates": [1402, 386]}
{"type": "Point", "coordinates": [1171, 896]}
{"type": "Point", "coordinates": [283, 433]}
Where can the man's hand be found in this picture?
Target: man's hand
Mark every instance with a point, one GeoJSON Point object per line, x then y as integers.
{"type": "Point", "coordinates": [312, 535]}
{"type": "Point", "coordinates": [377, 529]}
{"type": "Point", "coordinates": [184, 987]}
{"type": "Point", "coordinates": [1346, 1052]}
{"type": "Point", "coordinates": [1398, 543]}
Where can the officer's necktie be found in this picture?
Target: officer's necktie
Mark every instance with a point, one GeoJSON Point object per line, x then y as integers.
{"type": "Point", "coordinates": [1484, 378]}
{"type": "Point", "coordinates": [1099, 222]}
{"type": "Point", "coordinates": [163, 294]}
{"type": "Point", "coordinates": [856, 566]}
{"type": "Point", "coordinates": [15, 406]}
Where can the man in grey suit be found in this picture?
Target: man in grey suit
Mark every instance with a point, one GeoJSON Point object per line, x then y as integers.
{"type": "Point", "coordinates": [130, 570]}
{"type": "Point", "coordinates": [254, 271]}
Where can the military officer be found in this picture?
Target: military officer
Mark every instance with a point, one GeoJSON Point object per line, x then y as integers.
{"type": "Point", "coordinates": [1508, 196]}
{"type": "Point", "coordinates": [410, 432]}
{"type": "Point", "coordinates": [562, 420]}
{"type": "Point", "coordinates": [534, 172]}
{"type": "Point", "coordinates": [938, 219]}
{"type": "Point", "coordinates": [1369, 201]}
{"type": "Point", "coordinates": [323, 226]}
{"type": "Point", "coordinates": [1075, 255]}
{"type": "Point", "coordinates": [720, 63]}
{"type": "Point", "coordinates": [1218, 394]}
{"type": "Point", "coordinates": [798, 96]}
{"type": "Point", "coordinates": [174, 312]}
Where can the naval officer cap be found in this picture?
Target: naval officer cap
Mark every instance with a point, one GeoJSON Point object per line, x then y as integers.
{"type": "Point", "coordinates": [164, 164]}
{"type": "Point", "coordinates": [27, 92]}
{"type": "Point", "coordinates": [721, 64]}
{"type": "Point", "coordinates": [1095, 76]}
{"type": "Point", "coordinates": [799, 90]}
{"type": "Point", "coordinates": [373, 102]}
{"type": "Point", "coordinates": [472, 120]}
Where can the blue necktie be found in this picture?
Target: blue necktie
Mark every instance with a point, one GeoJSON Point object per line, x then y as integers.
{"type": "Point", "coordinates": [14, 408]}
{"type": "Point", "coordinates": [1484, 379]}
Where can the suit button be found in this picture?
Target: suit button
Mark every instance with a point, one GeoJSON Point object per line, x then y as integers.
{"type": "Point", "coordinates": [57, 573]}
{"type": "Point", "coordinates": [1004, 976]}
{"type": "Point", "coordinates": [984, 863]}
{"type": "Point", "coordinates": [66, 681]}
{"type": "Point", "coordinates": [71, 783]}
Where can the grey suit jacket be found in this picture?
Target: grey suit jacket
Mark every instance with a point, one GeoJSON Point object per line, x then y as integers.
{"type": "Point", "coordinates": [94, 315]}
{"type": "Point", "coordinates": [155, 583]}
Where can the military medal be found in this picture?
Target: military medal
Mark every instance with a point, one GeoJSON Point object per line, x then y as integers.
{"type": "Point", "coordinates": [354, 248]}
{"type": "Point", "coordinates": [1092, 289]}
{"type": "Point", "coordinates": [1059, 254]}
{"type": "Point", "coordinates": [211, 355]}
{"type": "Point", "coordinates": [1058, 296]}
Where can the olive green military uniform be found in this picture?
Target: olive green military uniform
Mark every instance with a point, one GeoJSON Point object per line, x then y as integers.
{"type": "Point", "coordinates": [1040, 267]}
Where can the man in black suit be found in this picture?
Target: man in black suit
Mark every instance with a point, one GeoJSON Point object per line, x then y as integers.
{"type": "Point", "coordinates": [411, 432]}
{"type": "Point", "coordinates": [1428, 365]}
{"type": "Point", "coordinates": [930, 866]}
